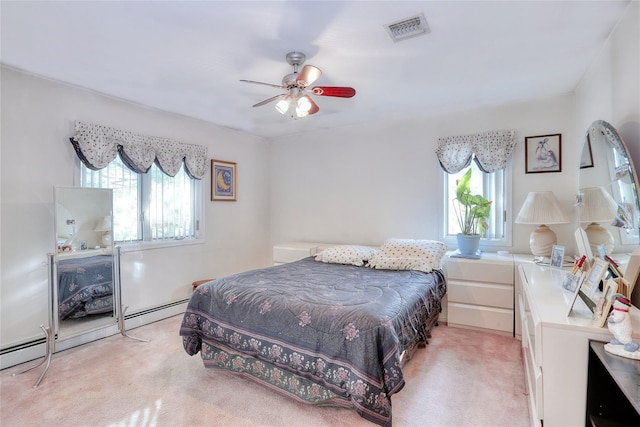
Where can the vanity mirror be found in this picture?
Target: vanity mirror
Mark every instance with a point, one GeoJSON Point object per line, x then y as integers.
{"type": "Point", "coordinates": [83, 283]}
{"type": "Point", "coordinates": [608, 196]}
{"type": "Point", "coordinates": [608, 200]}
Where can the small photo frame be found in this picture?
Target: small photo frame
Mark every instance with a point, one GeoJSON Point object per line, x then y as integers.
{"type": "Point", "coordinates": [543, 153]}
{"type": "Point", "coordinates": [223, 181]}
{"type": "Point", "coordinates": [586, 161]}
{"type": "Point", "coordinates": [584, 248]}
{"type": "Point", "coordinates": [557, 256]}
{"type": "Point", "coordinates": [594, 276]}
{"type": "Point", "coordinates": [571, 282]}
{"type": "Point", "coordinates": [603, 306]}
{"type": "Point", "coordinates": [578, 279]}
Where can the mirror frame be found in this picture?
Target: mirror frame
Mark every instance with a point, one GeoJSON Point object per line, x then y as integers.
{"type": "Point", "coordinates": [593, 174]}
{"type": "Point", "coordinates": [83, 216]}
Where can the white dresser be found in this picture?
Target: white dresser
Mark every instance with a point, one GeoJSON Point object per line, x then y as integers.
{"type": "Point", "coordinates": [480, 293]}
{"type": "Point", "coordinates": [556, 346]}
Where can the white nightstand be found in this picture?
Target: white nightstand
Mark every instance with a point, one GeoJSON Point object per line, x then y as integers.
{"type": "Point", "coordinates": [480, 293]}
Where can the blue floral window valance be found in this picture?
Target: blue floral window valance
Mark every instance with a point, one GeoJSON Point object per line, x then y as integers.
{"type": "Point", "coordinates": [490, 150]}
{"type": "Point", "coordinates": [98, 145]}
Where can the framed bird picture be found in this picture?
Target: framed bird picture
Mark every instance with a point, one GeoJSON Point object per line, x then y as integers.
{"type": "Point", "coordinates": [543, 153]}
{"type": "Point", "coordinates": [223, 181]}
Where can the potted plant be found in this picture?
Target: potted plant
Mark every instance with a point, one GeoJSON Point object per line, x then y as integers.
{"type": "Point", "coordinates": [472, 212]}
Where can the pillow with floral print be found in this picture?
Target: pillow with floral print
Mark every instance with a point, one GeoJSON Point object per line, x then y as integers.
{"type": "Point", "coordinates": [409, 254]}
{"type": "Point", "coordinates": [347, 254]}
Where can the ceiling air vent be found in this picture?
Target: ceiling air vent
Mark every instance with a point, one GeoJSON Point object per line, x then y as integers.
{"type": "Point", "coordinates": [407, 28]}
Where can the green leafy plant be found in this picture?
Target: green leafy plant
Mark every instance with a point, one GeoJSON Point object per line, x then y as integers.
{"type": "Point", "coordinates": [472, 210]}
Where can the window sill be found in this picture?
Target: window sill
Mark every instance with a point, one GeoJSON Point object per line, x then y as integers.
{"type": "Point", "coordinates": [485, 244]}
{"type": "Point", "coordinates": [143, 246]}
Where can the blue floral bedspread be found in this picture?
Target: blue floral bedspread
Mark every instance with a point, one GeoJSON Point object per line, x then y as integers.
{"type": "Point", "coordinates": [340, 326]}
{"type": "Point", "coordinates": [85, 286]}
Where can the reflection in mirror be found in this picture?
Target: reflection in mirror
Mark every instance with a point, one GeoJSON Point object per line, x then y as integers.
{"type": "Point", "coordinates": [608, 197]}
{"type": "Point", "coordinates": [83, 285]}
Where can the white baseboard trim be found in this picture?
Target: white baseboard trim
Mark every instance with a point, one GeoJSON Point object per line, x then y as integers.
{"type": "Point", "coordinates": [37, 349]}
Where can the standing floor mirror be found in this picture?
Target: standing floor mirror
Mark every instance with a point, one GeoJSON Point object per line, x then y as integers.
{"type": "Point", "coordinates": [84, 285]}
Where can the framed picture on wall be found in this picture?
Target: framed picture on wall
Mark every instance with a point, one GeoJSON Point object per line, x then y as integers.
{"type": "Point", "coordinates": [223, 181]}
{"type": "Point", "coordinates": [543, 153]}
{"type": "Point", "coordinates": [586, 161]}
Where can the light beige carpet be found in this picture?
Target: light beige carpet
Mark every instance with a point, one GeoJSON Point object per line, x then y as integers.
{"type": "Point", "coordinates": [462, 378]}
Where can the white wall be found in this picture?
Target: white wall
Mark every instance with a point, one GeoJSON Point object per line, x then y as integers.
{"type": "Point", "coordinates": [363, 184]}
{"type": "Point", "coordinates": [366, 183]}
{"type": "Point", "coordinates": [610, 89]}
{"type": "Point", "coordinates": [37, 119]}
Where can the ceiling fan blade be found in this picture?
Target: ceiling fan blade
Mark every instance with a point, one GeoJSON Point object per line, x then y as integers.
{"type": "Point", "coordinates": [266, 84]}
{"type": "Point", "coordinates": [308, 75]}
{"type": "Point", "coordinates": [266, 101]}
{"type": "Point", "coordinates": [340, 92]}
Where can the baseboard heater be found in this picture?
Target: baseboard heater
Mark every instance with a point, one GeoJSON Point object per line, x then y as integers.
{"type": "Point", "coordinates": [154, 309]}
{"type": "Point", "coordinates": [34, 349]}
{"type": "Point", "coordinates": [22, 346]}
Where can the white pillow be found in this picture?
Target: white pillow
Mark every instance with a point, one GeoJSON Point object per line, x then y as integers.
{"type": "Point", "coordinates": [347, 254]}
{"type": "Point", "coordinates": [409, 254]}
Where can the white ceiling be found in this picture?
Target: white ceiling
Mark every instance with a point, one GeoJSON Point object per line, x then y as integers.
{"type": "Point", "coordinates": [188, 57]}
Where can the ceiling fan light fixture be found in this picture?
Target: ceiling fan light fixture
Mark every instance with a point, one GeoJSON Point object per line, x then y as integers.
{"type": "Point", "coordinates": [283, 105]}
{"type": "Point", "coordinates": [303, 104]}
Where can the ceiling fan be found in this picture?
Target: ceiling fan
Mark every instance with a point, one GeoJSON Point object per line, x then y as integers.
{"type": "Point", "coordinates": [296, 86]}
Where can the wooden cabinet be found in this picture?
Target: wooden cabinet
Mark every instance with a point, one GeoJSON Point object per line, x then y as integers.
{"type": "Point", "coordinates": [556, 346]}
{"type": "Point", "coordinates": [480, 293]}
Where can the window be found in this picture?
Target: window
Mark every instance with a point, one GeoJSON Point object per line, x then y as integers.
{"type": "Point", "coordinates": [149, 207]}
{"type": "Point", "coordinates": [493, 186]}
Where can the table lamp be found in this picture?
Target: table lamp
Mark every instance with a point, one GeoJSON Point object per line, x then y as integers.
{"type": "Point", "coordinates": [596, 206]}
{"type": "Point", "coordinates": [104, 225]}
{"type": "Point", "coordinates": [541, 208]}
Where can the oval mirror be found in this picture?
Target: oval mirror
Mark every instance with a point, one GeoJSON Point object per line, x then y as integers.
{"type": "Point", "coordinates": [608, 199]}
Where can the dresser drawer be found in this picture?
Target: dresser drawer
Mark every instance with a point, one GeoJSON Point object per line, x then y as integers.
{"type": "Point", "coordinates": [498, 319]}
{"type": "Point", "coordinates": [487, 294]}
{"type": "Point", "coordinates": [533, 373]}
{"type": "Point", "coordinates": [480, 271]}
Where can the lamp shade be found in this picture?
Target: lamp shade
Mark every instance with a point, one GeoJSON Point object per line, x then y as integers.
{"type": "Point", "coordinates": [104, 224]}
{"type": "Point", "coordinates": [597, 205]}
{"type": "Point", "coordinates": [540, 208]}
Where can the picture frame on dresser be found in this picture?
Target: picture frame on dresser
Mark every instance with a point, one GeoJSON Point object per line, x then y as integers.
{"type": "Point", "coordinates": [594, 276]}
{"type": "Point", "coordinates": [557, 256]}
{"type": "Point", "coordinates": [578, 279]}
{"type": "Point", "coordinates": [589, 289]}
{"type": "Point", "coordinates": [583, 247]}
{"type": "Point", "coordinates": [603, 307]}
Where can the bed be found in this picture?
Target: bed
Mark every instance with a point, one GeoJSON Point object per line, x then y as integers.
{"type": "Point", "coordinates": [325, 333]}
{"type": "Point", "coordinates": [85, 286]}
